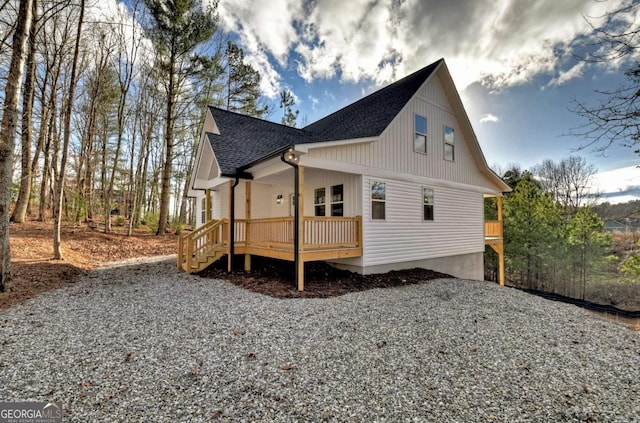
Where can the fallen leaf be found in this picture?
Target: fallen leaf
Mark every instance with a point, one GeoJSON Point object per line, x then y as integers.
{"type": "Point", "coordinates": [286, 367]}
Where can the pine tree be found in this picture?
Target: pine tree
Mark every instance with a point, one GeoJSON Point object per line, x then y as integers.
{"type": "Point", "coordinates": [243, 84]}
{"type": "Point", "coordinates": [178, 27]}
{"type": "Point", "coordinates": [287, 101]}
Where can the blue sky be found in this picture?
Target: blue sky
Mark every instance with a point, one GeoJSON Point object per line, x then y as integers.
{"type": "Point", "coordinates": [512, 60]}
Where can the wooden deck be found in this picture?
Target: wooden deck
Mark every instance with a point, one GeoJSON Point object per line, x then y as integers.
{"type": "Point", "coordinates": [324, 238]}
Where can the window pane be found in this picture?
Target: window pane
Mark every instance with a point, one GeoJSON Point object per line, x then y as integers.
{"type": "Point", "coordinates": [420, 143]}
{"type": "Point", "coordinates": [320, 210]}
{"type": "Point", "coordinates": [336, 193]}
{"type": "Point", "coordinates": [428, 195]}
{"type": "Point", "coordinates": [421, 124]}
{"type": "Point", "coordinates": [377, 209]}
{"type": "Point", "coordinates": [377, 191]}
{"type": "Point", "coordinates": [337, 210]}
{"type": "Point", "coordinates": [449, 137]}
{"type": "Point", "coordinates": [319, 196]}
{"type": "Point", "coordinates": [448, 152]}
{"type": "Point", "coordinates": [428, 212]}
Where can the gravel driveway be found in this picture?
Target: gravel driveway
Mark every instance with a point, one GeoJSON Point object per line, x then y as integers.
{"type": "Point", "coordinates": [149, 343]}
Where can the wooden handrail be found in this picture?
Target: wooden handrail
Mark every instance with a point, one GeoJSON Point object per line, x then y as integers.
{"type": "Point", "coordinates": [207, 236]}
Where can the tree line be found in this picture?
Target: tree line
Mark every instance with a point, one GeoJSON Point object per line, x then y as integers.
{"type": "Point", "coordinates": [554, 241]}
{"type": "Point", "coordinates": [107, 111]}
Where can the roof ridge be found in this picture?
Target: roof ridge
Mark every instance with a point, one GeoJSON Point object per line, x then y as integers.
{"type": "Point", "coordinates": [257, 118]}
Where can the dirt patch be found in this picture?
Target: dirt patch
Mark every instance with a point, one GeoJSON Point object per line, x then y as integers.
{"type": "Point", "coordinates": [275, 278]}
{"type": "Point", "coordinates": [84, 248]}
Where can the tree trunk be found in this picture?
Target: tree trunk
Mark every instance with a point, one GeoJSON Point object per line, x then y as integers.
{"type": "Point", "coordinates": [57, 253]}
{"type": "Point", "coordinates": [20, 211]}
{"type": "Point", "coordinates": [166, 171]}
{"type": "Point", "coordinates": [8, 134]}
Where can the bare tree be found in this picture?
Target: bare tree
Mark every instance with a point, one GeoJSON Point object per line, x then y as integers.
{"type": "Point", "coordinates": [615, 119]}
{"type": "Point", "coordinates": [20, 210]}
{"type": "Point", "coordinates": [570, 181]}
{"type": "Point", "coordinates": [8, 133]}
{"type": "Point", "coordinates": [57, 253]}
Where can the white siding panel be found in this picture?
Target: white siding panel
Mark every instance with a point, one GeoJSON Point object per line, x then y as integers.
{"type": "Point", "coordinates": [394, 150]}
{"type": "Point", "coordinates": [457, 227]}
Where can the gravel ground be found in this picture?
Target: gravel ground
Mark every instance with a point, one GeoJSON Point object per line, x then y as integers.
{"type": "Point", "coordinates": [149, 343]}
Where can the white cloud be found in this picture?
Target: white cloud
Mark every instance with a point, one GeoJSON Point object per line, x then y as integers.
{"type": "Point", "coordinates": [488, 117]}
{"type": "Point", "coordinates": [568, 75]}
{"type": "Point", "coordinates": [500, 43]}
{"type": "Point", "coordinates": [616, 180]}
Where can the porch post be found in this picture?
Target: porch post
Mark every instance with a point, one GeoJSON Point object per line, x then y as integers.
{"type": "Point", "coordinates": [207, 207]}
{"type": "Point", "coordinates": [501, 245]}
{"type": "Point", "coordinates": [247, 231]}
{"type": "Point", "coordinates": [232, 223]}
{"type": "Point", "coordinates": [300, 229]}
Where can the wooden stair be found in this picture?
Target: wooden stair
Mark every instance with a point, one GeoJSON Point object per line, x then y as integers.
{"type": "Point", "coordinates": [202, 247]}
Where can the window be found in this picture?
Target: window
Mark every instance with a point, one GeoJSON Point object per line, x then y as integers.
{"type": "Point", "coordinates": [378, 200]}
{"type": "Point", "coordinates": [449, 140]}
{"type": "Point", "coordinates": [319, 201]}
{"type": "Point", "coordinates": [427, 198]}
{"type": "Point", "coordinates": [337, 200]}
{"type": "Point", "coordinates": [420, 138]}
{"type": "Point", "coordinates": [203, 211]}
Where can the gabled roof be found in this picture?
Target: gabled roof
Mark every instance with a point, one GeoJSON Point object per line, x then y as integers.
{"type": "Point", "coordinates": [369, 116]}
{"type": "Point", "coordinates": [244, 139]}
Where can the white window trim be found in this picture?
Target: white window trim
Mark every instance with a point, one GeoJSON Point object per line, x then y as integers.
{"type": "Point", "coordinates": [445, 143]}
{"type": "Point", "coordinates": [433, 204]}
{"type": "Point", "coordinates": [336, 202]}
{"type": "Point", "coordinates": [320, 204]}
{"type": "Point", "coordinates": [426, 136]}
{"type": "Point", "coordinates": [377, 200]}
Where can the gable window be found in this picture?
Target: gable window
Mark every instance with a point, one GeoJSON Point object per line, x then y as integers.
{"type": "Point", "coordinates": [203, 211]}
{"type": "Point", "coordinates": [449, 143]}
{"type": "Point", "coordinates": [420, 135]}
{"type": "Point", "coordinates": [319, 200]}
{"type": "Point", "coordinates": [337, 200]}
{"type": "Point", "coordinates": [427, 198]}
{"type": "Point", "coordinates": [378, 200]}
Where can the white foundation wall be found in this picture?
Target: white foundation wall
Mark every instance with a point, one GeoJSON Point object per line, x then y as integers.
{"type": "Point", "coordinates": [465, 266]}
{"type": "Point", "coordinates": [403, 236]}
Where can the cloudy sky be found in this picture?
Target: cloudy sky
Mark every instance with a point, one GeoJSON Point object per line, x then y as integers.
{"type": "Point", "coordinates": [513, 62]}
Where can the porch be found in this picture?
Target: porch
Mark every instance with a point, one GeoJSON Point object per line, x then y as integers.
{"type": "Point", "coordinates": [324, 238]}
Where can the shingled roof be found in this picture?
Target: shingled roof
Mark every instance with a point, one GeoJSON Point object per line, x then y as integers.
{"type": "Point", "coordinates": [369, 116]}
{"type": "Point", "coordinates": [244, 140]}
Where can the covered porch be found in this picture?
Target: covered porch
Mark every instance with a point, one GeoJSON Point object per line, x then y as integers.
{"type": "Point", "coordinates": [267, 215]}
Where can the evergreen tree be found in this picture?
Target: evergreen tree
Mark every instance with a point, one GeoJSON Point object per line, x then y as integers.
{"type": "Point", "coordinates": [287, 101]}
{"type": "Point", "coordinates": [533, 232]}
{"type": "Point", "coordinates": [177, 28]}
{"type": "Point", "coordinates": [243, 84]}
{"type": "Point", "coordinates": [589, 245]}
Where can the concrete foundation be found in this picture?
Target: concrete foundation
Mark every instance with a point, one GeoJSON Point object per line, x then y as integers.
{"type": "Point", "coordinates": [465, 266]}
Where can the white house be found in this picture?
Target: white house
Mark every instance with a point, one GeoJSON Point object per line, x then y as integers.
{"type": "Point", "coordinates": [395, 180]}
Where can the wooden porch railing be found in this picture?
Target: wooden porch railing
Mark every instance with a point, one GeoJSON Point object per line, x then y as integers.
{"type": "Point", "coordinates": [332, 232]}
{"type": "Point", "coordinates": [493, 229]}
{"type": "Point", "coordinates": [319, 232]}
{"type": "Point", "coordinates": [270, 232]}
{"type": "Point", "coordinates": [199, 242]}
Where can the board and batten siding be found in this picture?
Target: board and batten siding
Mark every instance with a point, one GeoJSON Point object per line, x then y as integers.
{"type": "Point", "coordinates": [404, 236]}
{"type": "Point", "coordinates": [394, 150]}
